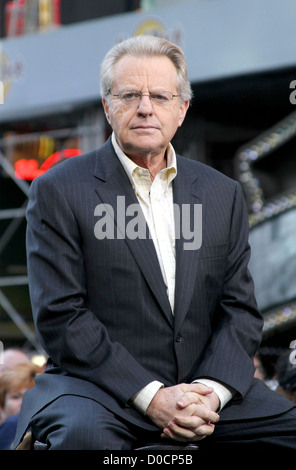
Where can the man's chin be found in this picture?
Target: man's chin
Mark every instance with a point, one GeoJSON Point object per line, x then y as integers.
{"type": "Point", "coordinates": [143, 149]}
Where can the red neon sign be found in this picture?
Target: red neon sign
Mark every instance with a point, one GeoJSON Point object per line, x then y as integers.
{"type": "Point", "coordinates": [30, 169]}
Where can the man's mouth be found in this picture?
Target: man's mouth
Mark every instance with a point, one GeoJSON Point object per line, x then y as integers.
{"type": "Point", "coordinates": [145, 128]}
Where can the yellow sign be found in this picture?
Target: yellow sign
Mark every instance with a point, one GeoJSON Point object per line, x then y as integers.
{"type": "Point", "coordinates": [155, 27]}
{"type": "Point", "coordinates": [152, 27]}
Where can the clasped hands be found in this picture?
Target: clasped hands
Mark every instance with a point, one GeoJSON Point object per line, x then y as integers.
{"type": "Point", "coordinates": [185, 412]}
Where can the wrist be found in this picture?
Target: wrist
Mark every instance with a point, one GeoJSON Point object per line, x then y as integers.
{"type": "Point", "coordinates": [143, 398]}
{"type": "Point", "coordinates": [214, 401]}
{"type": "Point", "coordinates": [223, 393]}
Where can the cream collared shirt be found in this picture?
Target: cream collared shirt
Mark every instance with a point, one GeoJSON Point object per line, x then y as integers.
{"type": "Point", "coordinates": [156, 200]}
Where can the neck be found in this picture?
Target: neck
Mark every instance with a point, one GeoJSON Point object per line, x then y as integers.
{"type": "Point", "coordinates": [153, 163]}
{"type": "Point", "coordinates": [153, 160]}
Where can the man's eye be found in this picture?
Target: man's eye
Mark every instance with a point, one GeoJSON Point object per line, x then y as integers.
{"type": "Point", "coordinates": [131, 95]}
{"type": "Point", "coordinates": [159, 97]}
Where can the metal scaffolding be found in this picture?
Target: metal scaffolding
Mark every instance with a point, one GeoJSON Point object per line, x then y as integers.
{"type": "Point", "coordinates": [277, 317]}
{"type": "Point", "coordinates": [16, 216]}
{"type": "Point", "coordinates": [90, 133]}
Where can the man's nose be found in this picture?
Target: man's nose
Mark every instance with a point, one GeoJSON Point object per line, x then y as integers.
{"type": "Point", "coordinates": [145, 105]}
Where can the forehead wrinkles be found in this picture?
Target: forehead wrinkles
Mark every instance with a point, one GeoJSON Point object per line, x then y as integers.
{"type": "Point", "coordinates": [145, 72]}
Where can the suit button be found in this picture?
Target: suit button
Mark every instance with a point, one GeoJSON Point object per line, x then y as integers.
{"type": "Point", "coordinates": [179, 339]}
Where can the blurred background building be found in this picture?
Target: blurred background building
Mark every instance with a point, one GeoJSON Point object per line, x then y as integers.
{"type": "Point", "coordinates": [242, 121]}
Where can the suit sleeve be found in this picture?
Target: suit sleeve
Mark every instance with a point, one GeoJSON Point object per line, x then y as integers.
{"type": "Point", "coordinates": [238, 323]}
{"type": "Point", "coordinates": [68, 330]}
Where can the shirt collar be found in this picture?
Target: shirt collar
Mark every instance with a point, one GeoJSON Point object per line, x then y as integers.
{"type": "Point", "coordinates": [130, 167]}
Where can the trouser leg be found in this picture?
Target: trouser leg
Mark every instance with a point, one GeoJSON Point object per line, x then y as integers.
{"type": "Point", "coordinates": [77, 423]}
{"type": "Point", "coordinates": [274, 432]}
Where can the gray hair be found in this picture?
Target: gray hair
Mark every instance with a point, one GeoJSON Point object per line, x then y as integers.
{"type": "Point", "coordinates": [140, 46]}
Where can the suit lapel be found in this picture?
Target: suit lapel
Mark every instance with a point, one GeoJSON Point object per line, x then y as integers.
{"type": "Point", "coordinates": [115, 191]}
{"type": "Point", "coordinates": [185, 193]}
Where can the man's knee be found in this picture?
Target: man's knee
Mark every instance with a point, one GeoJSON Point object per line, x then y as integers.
{"type": "Point", "coordinates": [76, 423]}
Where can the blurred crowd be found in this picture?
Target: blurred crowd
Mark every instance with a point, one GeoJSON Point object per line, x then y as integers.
{"type": "Point", "coordinates": [286, 375]}
{"type": "Point", "coordinates": [284, 378]}
{"type": "Point", "coordinates": [17, 375]}
{"type": "Point", "coordinates": [19, 369]}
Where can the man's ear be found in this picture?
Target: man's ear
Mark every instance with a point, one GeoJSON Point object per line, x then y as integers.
{"type": "Point", "coordinates": [182, 111]}
{"type": "Point", "coordinates": [106, 109]}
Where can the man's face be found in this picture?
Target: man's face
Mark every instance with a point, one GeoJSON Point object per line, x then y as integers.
{"type": "Point", "coordinates": [144, 128]}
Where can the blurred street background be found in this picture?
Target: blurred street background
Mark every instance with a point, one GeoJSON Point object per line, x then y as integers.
{"type": "Point", "coordinates": [241, 57]}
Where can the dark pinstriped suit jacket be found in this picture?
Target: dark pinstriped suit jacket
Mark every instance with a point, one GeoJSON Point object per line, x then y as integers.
{"type": "Point", "coordinates": [101, 308]}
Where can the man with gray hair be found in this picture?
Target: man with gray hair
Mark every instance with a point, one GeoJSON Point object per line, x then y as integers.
{"type": "Point", "coordinates": [149, 338]}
